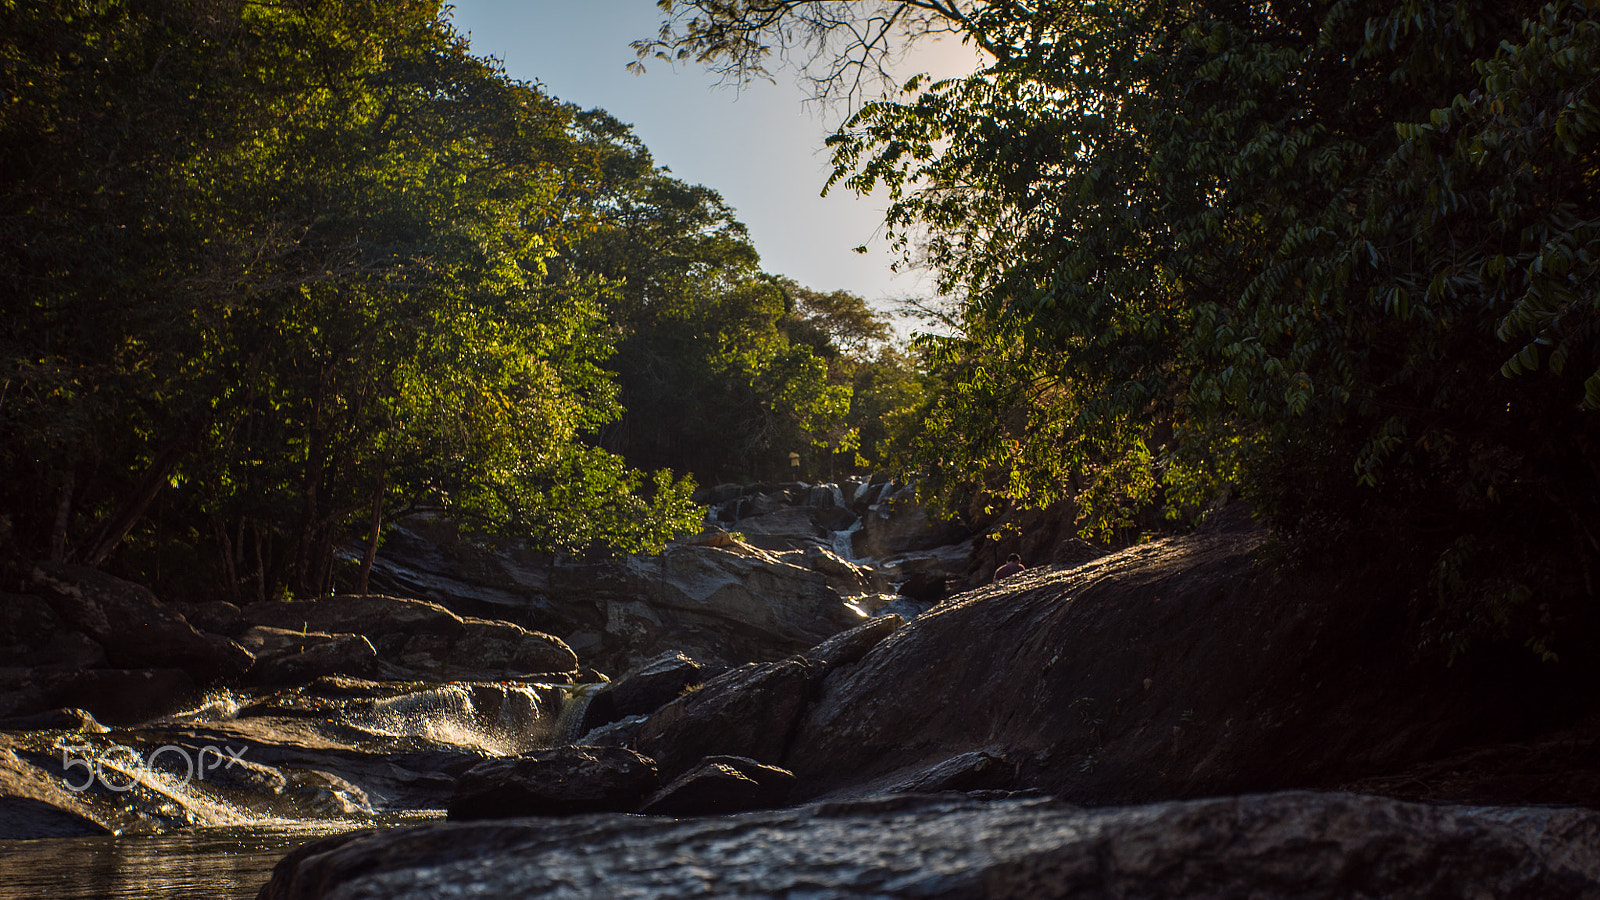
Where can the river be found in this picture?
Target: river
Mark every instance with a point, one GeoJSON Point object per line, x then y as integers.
{"type": "Point", "coordinates": [218, 863]}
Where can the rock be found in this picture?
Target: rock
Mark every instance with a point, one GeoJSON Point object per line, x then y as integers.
{"type": "Point", "coordinates": [654, 684]}
{"type": "Point", "coordinates": [424, 638]}
{"type": "Point", "coordinates": [721, 785]}
{"type": "Point", "coordinates": [64, 719]}
{"type": "Point", "coordinates": [975, 771]}
{"type": "Point", "coordinates": [749, 711]}
{"type": "Point", "coordinates": [369, 615]}
{"type": "Point", "coordinates": [847, 648]}
{"type": "Point", "coordinates": [556, 782]}
{"type": "Point", "coordinates": [897, 523]}
{"type": "Point", "coordinates": [136, 629]}
{"type": "Point", "coordinates": [127, 696]}
{"type": "Point", "coordinates": [1291, 845]}
{"type": "Point", "coordinates": [1177, 668]}
{"type": "Point", "coordinates": [487, 649]}
{"type": "Point", "coordinates": [35, 805]}
{"type": "Point", "coordinates": [31, 634]}
{"type": "Point", "coordinates": [724, 605]}
{"type": "Point", "coordinates": [292, 657]}
{"type": "Point", "coordinates": [215, 616]}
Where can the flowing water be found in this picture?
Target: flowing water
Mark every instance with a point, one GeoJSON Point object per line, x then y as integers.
{"type": "Point", "coordinates": [204, 803]}
{"type": "Point", "coordinates": [218, 863]}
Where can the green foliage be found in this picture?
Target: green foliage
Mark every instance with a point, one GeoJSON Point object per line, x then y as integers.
{"type": "Point", "coordinates": [1340, 253]}
{"type": "Point", "coordinates": [282, 265]}
{"type": "Point", "coordinates": [723, 369]}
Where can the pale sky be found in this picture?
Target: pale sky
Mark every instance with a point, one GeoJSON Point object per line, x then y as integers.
{"type": "Point", "coordinates": [759, 146]}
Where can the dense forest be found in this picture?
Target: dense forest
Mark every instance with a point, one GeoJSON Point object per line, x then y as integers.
{"type": "Point", "coordinates": [278, 273]}
{"type": "Point", "coordinates": [1338, 257]}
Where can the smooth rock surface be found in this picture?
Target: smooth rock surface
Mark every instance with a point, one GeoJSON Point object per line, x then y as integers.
{"type": "Point", "coordinates": [1288, 845]}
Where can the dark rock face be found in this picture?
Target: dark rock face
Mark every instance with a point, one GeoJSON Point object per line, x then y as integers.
{"type": "Point", "coordinates": [749, 711]}
{"type": "Point", "coordinates": [721, 785]}
{"type": "Point", "coordinates": [126, 696]}
{"type": "Point", "coordinates": [1291, 845]}
{"type": "Point", "coordinates": [1178, 668]}
{"type": "Point", "coordinates": [654, 684]}
{"type": "Point", "coordinates": [848, 647]}
{"type": "Point", "coordinates": [136, 629]}
{"type": "Point", "coordinates": [557, 782]}
{"type": "Point", "coordinates": [31, 634]}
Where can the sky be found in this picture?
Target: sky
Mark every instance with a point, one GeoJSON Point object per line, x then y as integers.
{"type": "Point", "coordinates": [760, 146]}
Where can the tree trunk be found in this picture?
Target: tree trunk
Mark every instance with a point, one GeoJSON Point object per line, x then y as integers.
{"type": "Point", "coordinates": [372, 535]}
{"type": "Point", "coordinates": [58, 534]}
{"type": "Point", "coordinates": [114, 529]}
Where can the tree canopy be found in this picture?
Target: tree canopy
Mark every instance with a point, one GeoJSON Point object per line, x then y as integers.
{"type": "Point", "coordinates": [1339, 254]}
{"type": "Point", "coordinates": [278, 270]}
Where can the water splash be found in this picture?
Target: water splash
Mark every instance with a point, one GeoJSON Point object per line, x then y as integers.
{"type": "Point", "coordinates": [500, 719]}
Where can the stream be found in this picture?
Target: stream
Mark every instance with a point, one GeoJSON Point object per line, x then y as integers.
{"type": "Point", "coordinates": [212, 863]}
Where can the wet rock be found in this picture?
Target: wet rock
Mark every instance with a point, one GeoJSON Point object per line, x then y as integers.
{"type": "Point", "coordinates": [556, 782]}
{"type": "Point", "coordinates": [750, 711]}
{"type": "Point", "coordinates": [654, 684]}
{"type": "Point", "coordinates": [1291, 845]}
{"type": "Point", "coordinates": [721, 785]}
{"type": "Point", "coordinates": [136, 629]}
{"type": "Point", "coordinates": [63, 719]}
{"type": "Point", "coordinates": [34, 804]}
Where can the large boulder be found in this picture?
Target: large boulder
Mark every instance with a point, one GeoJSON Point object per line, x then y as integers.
{"type": "Point", "coordinates": [750, 711]}
{"type": "Point", "coordinates": [556, 782]}
{"type": "Point", "coordinates": [136, 629]}
{"type": "Point", "coordinates": [298, 657]}
{"type": "Point", "coordinates": [420, 637]}
{"type": "Point", "coordinates": [1292, 845]}
{"type": "Point", "coordinates": [1177, 668]}
{"type": "Point", "coordinates": [654, 684]}
{"type": "Point", "coordinates": [31, 634]}
{"type": "Point", "coordinates": [355, 614]}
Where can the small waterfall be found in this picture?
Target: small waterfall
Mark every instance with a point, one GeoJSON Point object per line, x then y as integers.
{"type": "Point", "coordinates": [500, 719]}
{"type": "Point", "coordinates": [575, 702]}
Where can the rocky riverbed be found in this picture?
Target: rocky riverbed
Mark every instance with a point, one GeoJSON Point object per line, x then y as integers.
{"type": "Point", "coordinates": [819, 692]}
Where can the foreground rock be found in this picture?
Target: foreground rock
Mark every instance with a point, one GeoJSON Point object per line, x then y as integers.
{"type": "Point", "coordinates": [1281, 845]}
{"type": "Point", "coordinates": [1173, 669]}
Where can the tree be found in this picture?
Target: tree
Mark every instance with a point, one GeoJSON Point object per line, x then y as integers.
{"type": "Point", "coordinates": [284, 266]}
{"type": "Point", "coordinates": [1342, 253]}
